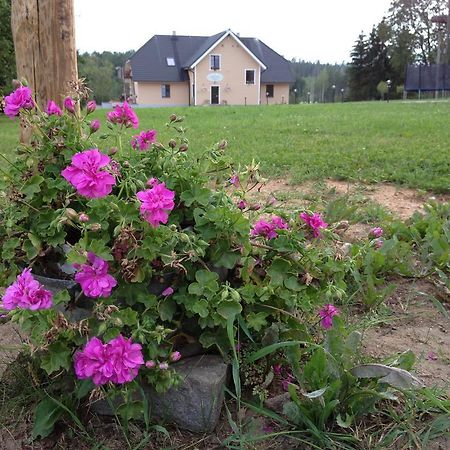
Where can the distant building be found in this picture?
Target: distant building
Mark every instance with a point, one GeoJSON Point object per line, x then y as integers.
{"type": "Point", "coordinates": [223, 69]}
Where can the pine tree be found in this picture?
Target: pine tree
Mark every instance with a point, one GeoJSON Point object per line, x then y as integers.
{"type": "Point", "coordinates": [358, 70]}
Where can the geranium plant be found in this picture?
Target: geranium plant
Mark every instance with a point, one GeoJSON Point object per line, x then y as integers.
{"type": "Point", "coordinates": [162, 245]}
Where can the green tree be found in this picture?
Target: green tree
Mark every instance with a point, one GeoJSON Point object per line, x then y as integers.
{"type": "Point", "coordinates": [358, 70]}
{"type": "Point", "coordinates": [7, 57]}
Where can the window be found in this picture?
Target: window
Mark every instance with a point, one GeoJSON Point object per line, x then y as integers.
{"type": "Point", "coordinates": [250, 76]}
{"type": "Point", "coordinates": [170, 61]}
{"type": "Point", "coordinates": [214, 62]}
{"type": "Point", "coordinates": [269, 90]}
{"type": "Point", "coordinates": [165, 91]}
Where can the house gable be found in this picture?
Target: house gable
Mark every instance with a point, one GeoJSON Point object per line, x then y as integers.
{"type": "Point", "coordinates": [219, 38]}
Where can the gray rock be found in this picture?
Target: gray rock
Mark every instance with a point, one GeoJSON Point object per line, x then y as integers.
{"type": "Point", "coordinates": [196, 404]}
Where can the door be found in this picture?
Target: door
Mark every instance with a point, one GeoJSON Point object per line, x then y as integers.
{"type": "Point", "coordinates": [214, 95]}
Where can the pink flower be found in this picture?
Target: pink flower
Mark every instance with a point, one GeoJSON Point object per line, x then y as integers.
{"type": "Point", "coordinates": [94, 125]}
{"type": "Point", "coordinates": [69, 104]}
{"type": "Point", "coordinates": [83, 218]}
{"type": "Point", "coordinates": [167, 292]}
{"type": "Point", "coordinates": [314, 221]}
{"type": "Point", "coordinates": [163, 366]}
{"type": "Point", "coordinates": [235, 180]}
{"type": "Point", "coordinates": [53, 109]}
{"type": "Point", "coordinates": [378, 243]}
{"type": "Point", "coordinates": [156, 203]}
{"type": "Point", "coordinates": [117, 361]}
{"type": "Point", "coordinates": [432, 356]}
{"type": "Point", "coordinates": [267, 229]}
{"type": "Point", "coordinates": [242, 205]}
{"type": "Point", "coordinates": [327, 313]}
{"type": "Point", "coordinates": [86, 176]}
{"type": "Point", "coordinates": [94, 278]}
{"type": "Point", "coordinates": [376, 232]}
{"type": "Point", "coordinates": [123, 115]}
{"type": "Point", "coordinates": [91, 106]}
{"type": "Point", "coordinates": [27, 293]}
{"type": "Point", "coordinates": [150, 364]}
{"type": "Point", "coordinates": [143, 140]}
{"type": "Point", "coordinates": [19, 99]}
{"type": "Point", "coordinates": [175, 356]}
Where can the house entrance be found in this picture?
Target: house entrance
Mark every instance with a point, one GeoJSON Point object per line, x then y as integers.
{"type": "Point", "coordinates": [214, 95]}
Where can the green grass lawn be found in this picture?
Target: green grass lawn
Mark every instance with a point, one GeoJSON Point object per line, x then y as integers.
{"type": "Point", "coordinates": [404, 143]}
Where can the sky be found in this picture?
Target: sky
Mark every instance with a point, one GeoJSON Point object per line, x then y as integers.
{"type": "Point", "coordinates": [312, 30]}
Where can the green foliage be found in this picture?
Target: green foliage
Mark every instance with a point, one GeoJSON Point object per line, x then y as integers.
{"type": "Point", "coordinates": [7, 56]}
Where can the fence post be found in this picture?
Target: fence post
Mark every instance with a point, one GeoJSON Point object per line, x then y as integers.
{"type": "Point", "coordinates": [44, 44]}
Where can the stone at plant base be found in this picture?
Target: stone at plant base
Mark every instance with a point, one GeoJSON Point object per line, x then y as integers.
{"type": "Point", "coordinates": [196, 404]}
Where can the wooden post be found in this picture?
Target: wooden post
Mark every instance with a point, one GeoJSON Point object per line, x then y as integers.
{"type": "Point", "coordinates": [44, 43]}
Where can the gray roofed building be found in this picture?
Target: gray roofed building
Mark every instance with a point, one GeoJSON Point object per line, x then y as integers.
{"type": "Point", "coordinates": [172, 60]}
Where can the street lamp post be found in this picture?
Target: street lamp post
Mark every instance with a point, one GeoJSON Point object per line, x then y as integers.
{"type": "Point", "coordinates": [342, 95]}
{"type": "Point", "coordinates": [267, 98]}
{"type": "Point", "coordinates": [389, 83]}
{"type": "Point", "coordinates": [309, 97]}
{"type": "Point", "coordinates": [334, 92]}
{"type": "Point", "coordinates": [295, 95]}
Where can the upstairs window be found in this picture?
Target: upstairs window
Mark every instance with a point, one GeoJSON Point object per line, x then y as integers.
{"type": "Point", "coordinates": [250, 76]}
{"type": "Point", "coordinates": [170, 61]}
{"type": "Point", "coordinates": [214, 62]}
{"type": "Point", "coordinates": [165, 90]}
{"type": "Point", "coordinates": [269, 90]}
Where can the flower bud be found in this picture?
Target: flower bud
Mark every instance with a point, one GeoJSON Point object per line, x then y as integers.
{"type": "Point", "coordinates": [91, 106]}
{"type": "Point", "coordinates": [112, 151]}
{"type": "Point", "coordinates": [163, 366]}
{"type": "Point", "coordinates": [223, 144]}
{"type": "Point", "coordinates": [94, 125]}
{"type": "Point", "coordinates": [126, 164]}
{"type": "Point", "coordinates": [95, 227]}
{"type": "Point", "coordinates": [158, 146]}
{"type": "Point", "coordinates": [172, 143]}
{"type": "Point", "coordinates": [173, 117]}
{"type": "Point", "coordinates": [83, 218]}
{"type": "Point", "coordinates": [183, 148]}
{"type": "Point", "coordinates": [150, 364]}
{"type": "Point", "coordinates": [376, 232]}
{"type": "Point", "coordinates": [167, 292]}
{"type": "Point", "coordinates": [378, 243]}
{"type": "Point", "coordinates": [175, 356]}
{"type": "Point", "coordinates": [242, 205]}
{"type": "Point", "coordinates": [71, 214]}
{"type": "Point", "coordinates": [255, 207]}
{"type": "Point", "coordinates": [69, 104]}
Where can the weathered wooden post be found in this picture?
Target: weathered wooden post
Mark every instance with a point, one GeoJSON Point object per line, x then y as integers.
{"type": "Point", "coordinates": [44, 43]}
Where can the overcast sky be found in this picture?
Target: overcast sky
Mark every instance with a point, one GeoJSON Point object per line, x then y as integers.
{"type": "Point", "coordinates": [305, 29]}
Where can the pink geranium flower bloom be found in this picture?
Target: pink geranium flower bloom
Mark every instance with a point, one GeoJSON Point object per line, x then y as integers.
{"type": "Point", "coordinates": [143, 140]}
{"type": "Point", "coordinates": [27, 293]}
{"type": "Point", "coordinates": [314, 221]}
{"type": "Point", "coordinates": [156, 203]}
{"type": "Point", "coordinates": [91, 106]}
{"type": "Point", "coordinates": [175, 356]}
{"type": "Point", "coordinates": [94, 125]}
{"type": "Point", "coordinates": [94, 278]}
{"type": "Point", "coordinates": [19, 99]}
{"type": "Point", "coordinates": [86, 176]}
{"type": "Point", "coordinates": [53, 109]}
{"type": "Point", "coordinates": [117, 361]}
{"type": "Point", "coordinates": [123, 115]}
{"type": "Point", "coordinates": [268, 229]}
{"type": "Point", "coordinates": [167, 292]}
{"type": "Point", "coordinates": [327, 313]}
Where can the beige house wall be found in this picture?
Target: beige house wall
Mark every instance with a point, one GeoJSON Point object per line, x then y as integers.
{"type": "Point", "coordinates": [149, 93]}
{"type": "Point", "coordinates": [280, 94]}
{"type": "Point", "coordinates": [233, 90]}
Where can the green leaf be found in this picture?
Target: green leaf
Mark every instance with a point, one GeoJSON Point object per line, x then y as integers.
{"type": "Point", "coordinates": [344, 423]}
{"type": "Point", "coordinates": [32, 186]}
{"type": "Point", "coordinates": [200, 307]}
{"type": "Point", "coordinates": [167, 308]}
{"type": "Point", "coordinates": [256, 320]}
{"type": "Point", "coordinates": [83, 387]}
{"type": "Point", "coordinates": [56, 357]}
{"type": "Point", "coordinates": [271, 348]}
{"type": "Point", "coordinates": [46, 415]}
{"type": "Point", "coordinates": [228, 260]}
{"type": "Point", "coordinates": [278, 271]}
{"type": "Point", "coordinates": [206, 277]}
{"type": "Point", "coordinates": [229, 309]}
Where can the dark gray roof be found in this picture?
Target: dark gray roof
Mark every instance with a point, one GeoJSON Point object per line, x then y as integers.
{"type": "Point", "coordinates": [149, 62]}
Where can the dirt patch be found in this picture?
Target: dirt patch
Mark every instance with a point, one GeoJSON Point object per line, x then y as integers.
{"type": "Point", "coordinates": [401, 202]}
{"type": "Point", "coordinates": [418, 326]}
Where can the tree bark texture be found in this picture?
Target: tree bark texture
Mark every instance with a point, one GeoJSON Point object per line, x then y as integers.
{"type": "Point", "coordinates": [44, 43]}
